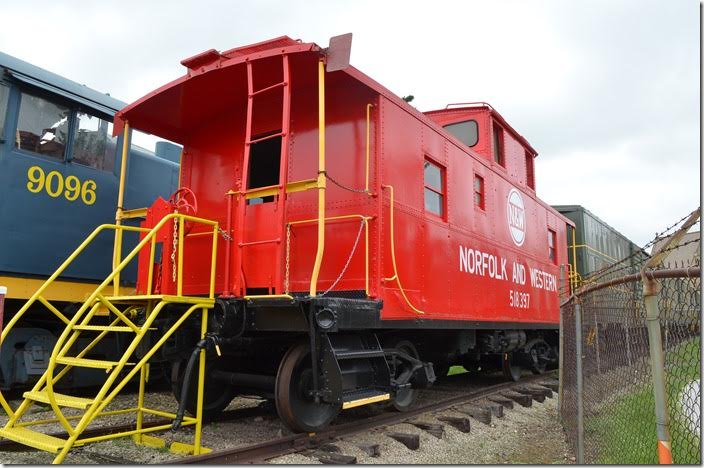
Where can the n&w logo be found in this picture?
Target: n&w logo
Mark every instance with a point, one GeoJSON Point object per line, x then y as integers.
{"type": "Point", "coordinates": [516, 213]}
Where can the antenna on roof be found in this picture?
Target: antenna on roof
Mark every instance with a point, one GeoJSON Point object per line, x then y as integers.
{"type": "Point", "coordinates": [338, 52]}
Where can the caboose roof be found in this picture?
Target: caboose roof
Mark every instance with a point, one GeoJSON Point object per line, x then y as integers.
{"type": "Point", "coordinates": [187, 101]}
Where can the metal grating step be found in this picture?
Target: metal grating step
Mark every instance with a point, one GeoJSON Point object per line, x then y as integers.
{"type": "Point", "coordinates": [34, 439]}
{"type": "Point", "coordinates": [61, 399]}
{"type": "Point", "coordinates": [92, 363]}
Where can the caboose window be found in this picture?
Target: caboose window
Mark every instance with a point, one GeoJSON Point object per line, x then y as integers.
{"type": "Point", "coordinates": [551, 245]}
{"type": "Point", "coordinates": [530, 171]}
{"type": "Point", "coordinates": [434, 188]}
{"type": "Point", "coordinates": [4, 96]}
{"type": "Point", "coordinates": [498, 144]}
{"type": "Point", "coordinates": [42, 126]}
{"type": "Point", "coordinates": [94, 146]}
{"type": "Point", "coordinates": [264, 166]}
{"type": "Point", "coordinates": [467, 132]}
{"type": "Point", "coordinates": [479, 191]}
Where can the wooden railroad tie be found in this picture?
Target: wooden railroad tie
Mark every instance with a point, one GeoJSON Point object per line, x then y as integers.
{"type": "Point", "coordinates": [370, 449]}
{"type": "Point", "coordinates": [411, 441]}
{"type": "Point", "coordinates": [523, 400]}
{"type": "Point", "coordinates": [337, 459]}
{"type": "Point", "coordinates": [538, 388]}
{"type": "Point", "coordinates": [496, 409]}
{"type": "Point", "coordinates": [505, 402]}
{"type": "Point", "coordinates": [461, 424]}
{"type": "Point", "coordinates": [536, 395]}
{"type": "Point", "coordinates": [483, 415]}
{"type": "Point", "coordinates": [554, 386]}
{"type": "Point", "coordinates": [435, 429]}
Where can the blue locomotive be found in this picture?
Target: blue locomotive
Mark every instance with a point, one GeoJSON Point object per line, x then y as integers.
{"type": "Point", "coordinates": [59, 174]}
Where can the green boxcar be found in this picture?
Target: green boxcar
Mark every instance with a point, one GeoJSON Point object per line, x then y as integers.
{"type": "Point", "coordinates": [596, 244]}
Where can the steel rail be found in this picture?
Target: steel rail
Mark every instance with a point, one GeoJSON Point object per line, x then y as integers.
{"type": "Point", "coordinates": [257, 453]}
{"type": "Point", "coordinates": [7, 445]}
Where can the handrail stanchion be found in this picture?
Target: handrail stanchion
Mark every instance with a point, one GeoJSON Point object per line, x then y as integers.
{"type": "Point", "coordinates": [117, 247]}
{"type": "Point", "coordinates": [321, 179]}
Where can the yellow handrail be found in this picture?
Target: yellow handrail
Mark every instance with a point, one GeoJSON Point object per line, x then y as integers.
{"type": "Point", "coordinates": [151, 233]}
{"type": "Point", "coordinates": [117, 246]}
{"type": "Point", "coordinates": [393, 253]}
{"type": "Point", "coordinates": [321, 179]}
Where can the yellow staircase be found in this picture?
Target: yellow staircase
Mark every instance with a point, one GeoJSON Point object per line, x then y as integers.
{"type": "Point", "coordinates": [122, 311]}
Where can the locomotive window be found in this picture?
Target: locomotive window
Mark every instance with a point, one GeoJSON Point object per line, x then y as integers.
{"type": "Point", "coordinates": [434, 188]}
{"type": "Point", "coordinates": [42, 126]}
{"type": "Point", "coordinates": [551, 245]}
{"type": "Point", "coordinates": [479, 191]}
{"type": "Point", "coordinates": [4, 96]}
{"type": "Point", "coordinates": [498, 145]}
{"type": "Point", "coordinates": [467, 132]}
{"type": "Point", "coordinates": [94, 146]}
{"type": "Point", "coordinates": [264, 166]}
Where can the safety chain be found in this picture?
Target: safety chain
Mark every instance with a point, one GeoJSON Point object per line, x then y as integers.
{"type": "Point", "coordinates": [173, 252]}
{"type": "Point", "coordinates": [288, 255]}
{"type": "Point", "coordinates": [344, 187]}
{"type": "Point", "coordinates": [224, 234]}
{"type": "Point", "coordinates": [349, 259]}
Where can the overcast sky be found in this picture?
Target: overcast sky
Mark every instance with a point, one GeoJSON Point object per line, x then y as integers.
{"type": "Point", "coordinates": [606, 91]}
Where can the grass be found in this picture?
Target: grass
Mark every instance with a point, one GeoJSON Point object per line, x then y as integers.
{"type": "Point", "coordinates": [625, 430]}
{"type": "Point", "coordinates": [456, 370]}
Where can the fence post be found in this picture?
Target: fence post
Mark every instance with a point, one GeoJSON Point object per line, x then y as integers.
{"type": "Point", "coordinates": [580, 388]}
{"type": "Point", "coordinates": [596, 341]}
{"type": "Point", "coordinates": [657, 362]}
{"type": "Point", "coordinates": [561, 349]}
{"type": "Point", "coordinates": [657, 356]}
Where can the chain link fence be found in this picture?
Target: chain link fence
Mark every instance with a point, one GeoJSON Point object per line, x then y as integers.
{"type": "Point", "coordinates": [608, 382]}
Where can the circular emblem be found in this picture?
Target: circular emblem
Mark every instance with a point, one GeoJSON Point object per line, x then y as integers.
{"type": "Point", "coordinates": [516, 212]}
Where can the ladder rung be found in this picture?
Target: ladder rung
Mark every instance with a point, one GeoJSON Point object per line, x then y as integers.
{"type": "Point", "coordinates": [269, 88]}
{"type": "Point", "coordinates": [61, 399]}
{"type": "Point", "coordinates": [92, 363]}
{"type": "Point", "coordinates": [103, 328]}
{"type": "Point", "coordinates": [32, 438]}
{"type": "Point", "coordinates": [268, 137]}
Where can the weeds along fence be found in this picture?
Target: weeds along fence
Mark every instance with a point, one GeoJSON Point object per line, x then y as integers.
{"type": "Point", "coordinates": [631, 356]}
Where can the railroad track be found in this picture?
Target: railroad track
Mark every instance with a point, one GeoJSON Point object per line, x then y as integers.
{"type": "Point", "coordinates": [259, 453]}
{"type": "Point", "coordinates": [230, 415]}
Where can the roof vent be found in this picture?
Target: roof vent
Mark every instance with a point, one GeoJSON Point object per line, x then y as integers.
{"type": "Point", "coordinates": [201, 60]}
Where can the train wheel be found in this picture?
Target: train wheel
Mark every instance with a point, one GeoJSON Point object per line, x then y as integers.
{"type": "Point", "coordinates": [216, 396]}
{"type": "Point", "coordinates": [294, 404]}
{"type": "Point", "coordinates": [405, 397]}
{"type": "Point", "coordinates": [539, 354]}
{"type": "Point", "coordinates": [511, 368]}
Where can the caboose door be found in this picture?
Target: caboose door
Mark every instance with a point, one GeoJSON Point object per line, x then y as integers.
{"type": "Point", "coordinates": [261, 209]}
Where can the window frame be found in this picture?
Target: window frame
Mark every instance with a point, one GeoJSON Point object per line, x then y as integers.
{"type": "Point", "coordinates": [41, 94]}
{"type": "Point", "coordinates": [552, 249]}
{"type": "Point", "coordinates": [476, 124]}
{"type": "Point", "coordinates": [481, 193]}
{"type": "Point", "coordinates": [4, 110]}
{"type": "Point", "coordinates": [497, 139]}
{"type": "Point", "coordinates": [443, 186]}
{"type": "Point", "coordinates": [530, 170]}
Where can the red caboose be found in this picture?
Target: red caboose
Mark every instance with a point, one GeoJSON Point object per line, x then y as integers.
{"type": "Point", "coordinates": [361, 240]}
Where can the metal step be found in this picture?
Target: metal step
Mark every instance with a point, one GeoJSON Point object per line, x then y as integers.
{"type": "Point", "coordinates": [61, 399]}
{"type": "Point", "coordinates": [366, 354]}
{"type": "Point", "coordinates": [102, 328]}
{"type": "Point", "coordinates": [92, 363]}
{"type": "Point", "coordinates": [34, 439]}
{"type": "Point", "coordinates": [363, 397]}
